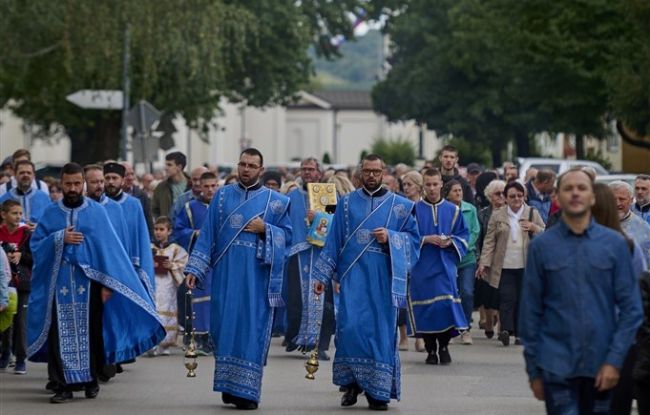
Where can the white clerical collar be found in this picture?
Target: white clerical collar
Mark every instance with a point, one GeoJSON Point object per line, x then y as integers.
{"type": "Point", "coordinates": [371, 193]}
{"type": "Point", "coordinates": [247, 188]}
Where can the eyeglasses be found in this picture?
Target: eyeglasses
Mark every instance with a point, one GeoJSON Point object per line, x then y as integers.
{"type": "Point", "coordinates": [516, 196]}
{"type": "Point", "coordinates": [245, 166]}
{"type": "Point", "coordinates": [368, 172]}
{"type": "Point", "coordinates": [498, 193]}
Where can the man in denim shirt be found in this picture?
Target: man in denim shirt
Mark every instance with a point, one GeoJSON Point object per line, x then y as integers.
{"type": "Point", "coordinates": [580, 306]}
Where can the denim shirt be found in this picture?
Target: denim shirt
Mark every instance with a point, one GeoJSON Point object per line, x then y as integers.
{"type": "Point", "coordinates": [580, 305]}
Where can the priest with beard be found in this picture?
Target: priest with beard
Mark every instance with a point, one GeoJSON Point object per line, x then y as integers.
{"type": "Point", "coordinates": [371, 247]}
{"type": "Point", "coordinates": [139, 241]}
{"type": "Point", "coordinates": [94, 176]}
{"type": "Point", "coordinates": [241, 248]}
{"type": "Point", "coordinates": [83, 286]}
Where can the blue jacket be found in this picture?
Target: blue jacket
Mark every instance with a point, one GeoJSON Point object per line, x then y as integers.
{"type": "Point", "coordinates": [542, 204]}
{"type": "Point", "coordinates": [580, 305]}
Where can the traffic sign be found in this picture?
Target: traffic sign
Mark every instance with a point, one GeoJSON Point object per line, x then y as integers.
{"type": "Point", "coordinates": [97, 99]}
{"type": "Point", "coordinates": [142, 116]}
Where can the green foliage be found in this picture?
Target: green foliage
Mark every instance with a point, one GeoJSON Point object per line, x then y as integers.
{"type": "Point", "coordinates": [494, 70]}
{"type": "Point", "coordinates": [326, 158]}
{"type": "Point", "coordinates": [185, 56]}
{"type": "Point", "coordinates": [598, 157]}
{"type": "Point", "coordinates": [394, 151]}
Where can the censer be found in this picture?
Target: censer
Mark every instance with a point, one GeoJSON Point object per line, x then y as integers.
{"type": "Point", "coordinates": [189, 359]}
{"type": "Point", "coordinates": [311, 365]}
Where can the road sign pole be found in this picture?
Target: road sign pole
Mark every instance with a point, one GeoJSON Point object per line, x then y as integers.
{"type": "Point", "coordinates": [126, 85]}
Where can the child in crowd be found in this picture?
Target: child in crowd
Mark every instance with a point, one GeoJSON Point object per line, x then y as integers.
{"type": "Point", "coordinates": [14, 238]}
{"type": "Point", "coordinates": [169, 262]}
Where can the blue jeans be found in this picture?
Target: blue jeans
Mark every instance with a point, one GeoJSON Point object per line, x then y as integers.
{"type": "Point", "coordinates": [466, 279]}
{"type": "Point", "coordinates": [575, 396]}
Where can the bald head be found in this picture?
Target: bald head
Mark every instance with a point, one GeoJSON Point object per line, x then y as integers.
{"type": "Point", "coordinates": [196, 180]}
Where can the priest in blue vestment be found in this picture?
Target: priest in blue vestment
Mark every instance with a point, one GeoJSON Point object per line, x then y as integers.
{"type": "Point", "coordinates": [187, 227]}
{"type": "Point", "coordinates": [310, 317]}
{"type": "Point", "coordinates": [243, 242]}
{"type": "Point", "coordinates": [435, 310]}
{"type": "Point", "coordinates": [87, 307]}
{"type": "Point", "coordinates": [370, 250]}
{"type": "Point", "coordinates": [33, 201]}
{"type": "Point", "coordinates": [139, 241]}
{"type": "Point", "coordinates": [94, 178]}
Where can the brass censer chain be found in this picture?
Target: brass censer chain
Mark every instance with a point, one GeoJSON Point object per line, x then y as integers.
{"type": "Point", "coordinates": [189, 359]}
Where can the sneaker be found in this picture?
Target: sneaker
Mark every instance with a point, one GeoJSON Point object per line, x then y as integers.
{"type": "Point", "coordinates": [466, 338]}
{"type": "Point", "coordinates": [504, 338]}
{"type": "Point", "coordinates": [165, 351]}
{"type": "Point", "coordinates": [4, 361]}
{"type": "Point", "coordinates": [419, 346]}
{"type": "Point", "coordinates": [20, 368]}
{"type": "Point", "coordinates": [153, 352]}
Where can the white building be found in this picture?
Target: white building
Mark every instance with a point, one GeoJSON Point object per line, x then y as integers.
{"type": "Point", "coordinates": [339, 123]}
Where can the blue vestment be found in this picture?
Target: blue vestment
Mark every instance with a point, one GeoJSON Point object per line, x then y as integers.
{"type": "Point", "coordinates": [116, 216]}
{"type": "Point", "coordinates": [434, 301]}
{"type": "Point", "coordinates": [139, 243]}
{"type": "Point", "coordinates": [33, 203]}
{"type": "Point", "coordinates": [247, 273]}
{"type": "Point", "coordinates": [312, 304]}
{"type": "Point", "coordinates": [187, 222]}
{"type": "Point", "coordinates": [61, 281]}
{"type": "Point", "coordinates": [373, 286]}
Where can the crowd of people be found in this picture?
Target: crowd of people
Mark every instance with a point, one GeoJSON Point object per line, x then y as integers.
{"type": "Point", "coordinates": [558, 264]}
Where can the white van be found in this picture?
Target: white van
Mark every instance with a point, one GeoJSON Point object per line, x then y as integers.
{"type": "Point", "coordinates": [559, 166]}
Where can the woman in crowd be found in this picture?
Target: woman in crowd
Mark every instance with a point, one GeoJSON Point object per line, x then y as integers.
{"type": "Point", "coordinates": [486, 297]}
{"type": "Point", "coordinates": [503, 259]}
{"type": "Point", "coordinates": [413, 183]}
{"type": "Point", "coordinates": [453, 192]}
{"type": "Point", "coordinates": [605, 213]}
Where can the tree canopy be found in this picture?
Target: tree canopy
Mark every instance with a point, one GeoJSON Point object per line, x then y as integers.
{"type": "Point", "coordinates": [495, 70]}
{"type": "Point", "coordinates": [185, 57]}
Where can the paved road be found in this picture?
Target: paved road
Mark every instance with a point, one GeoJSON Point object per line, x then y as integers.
{"type": "Point", "coordinates": [485, 378]}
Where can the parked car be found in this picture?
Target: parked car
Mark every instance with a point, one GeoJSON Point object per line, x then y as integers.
{"type": "Point", "coordinates": [608, 178]}
{"type": "Point", "coordinates": [559, 166]}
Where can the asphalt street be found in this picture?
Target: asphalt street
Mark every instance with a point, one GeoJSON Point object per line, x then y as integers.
{"type": "Point", "coordinates": [484, 378]}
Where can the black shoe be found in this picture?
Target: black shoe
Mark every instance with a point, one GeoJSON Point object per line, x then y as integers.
{"type": "Point", "coordinates": [118, 368]}
{"type": "Point", "coordinates": [51, 386]}
{"type": "Point", "coordinates": [489, 333]}
{"type": "Point", "coordinates": [432, 359]}
{"type": "Point", "coordinates": [343, 388]}
{"type": "Point", "coordinates": [504, 338]}
{"type": "Point", "coordinates": [376, 405]}
{"type": "Point", "coordinates": [226, 398]}
{"type": "Point", "coordinates": [91, 391]}
{"type": "Point", "coordinates": [291, 347]}
{"type": "Point", "coordinates": [518, 341]}
{"type": "Point", "coordinates": [246, 406]}
{"type": "Point", "coordinates": [349, 398]}
{"type": "Point", "coordinates": [61, 397]}
{"type": "Point", "coordinates": [445, 357]}
{"type": "Point", "coordinates": [322, 355]}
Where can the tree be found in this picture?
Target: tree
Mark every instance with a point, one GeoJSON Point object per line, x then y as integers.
{"type": "Point", "coordinates": [394, 151]}
{"type": "Point", "coordinates": [497, 70]}
{"type": "Point", "coordinates": [185, 57]}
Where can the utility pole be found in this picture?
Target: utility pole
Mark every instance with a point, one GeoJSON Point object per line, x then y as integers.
{"type": "Point", "coordinates": [126, 84]}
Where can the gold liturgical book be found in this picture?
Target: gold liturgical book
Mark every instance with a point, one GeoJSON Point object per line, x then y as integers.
{"type": "Point", "coordinates": [321, 195]}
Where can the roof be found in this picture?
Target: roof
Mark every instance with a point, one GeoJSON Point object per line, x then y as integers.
{"type": "Point", "coordinates": [335, 99]}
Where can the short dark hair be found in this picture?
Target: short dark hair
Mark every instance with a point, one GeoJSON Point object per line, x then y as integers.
{"type": "Point", "coordinates": [576, 169]}
{"type": "Point", "coordinates": [447, 187]}
{"type": "Point", "coordinates": [24, 163]}
{"type": "Point", "coordinates": [449, 148]}
{"type": "Point", "coordinates": [21, 152]}
{"type": "Point", "coordinates": [163, 220]}
{"type": "Point", "coordinates": [642, 177]}
{"type": "Point", "coordinates": [178, 158]}
{"type": "Point", "coordinates": [514, 185]}
{"type": "Point", "coordinates": [72, 168]}
{"type": "Point", "coordinates": [253, 152]}
{"type": "Point", "coordinates": [544, 175]}
{"type": "Point", "coordinates": [89, 167]}
{"type": "Point", "coordinates": [208, 175]}
{"type": "Point", "coordinates": [432, 172]}
{"type": "Point", "coordinates": [373, 157]}
{"type": "Point", "coordinates": [8, 204]}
